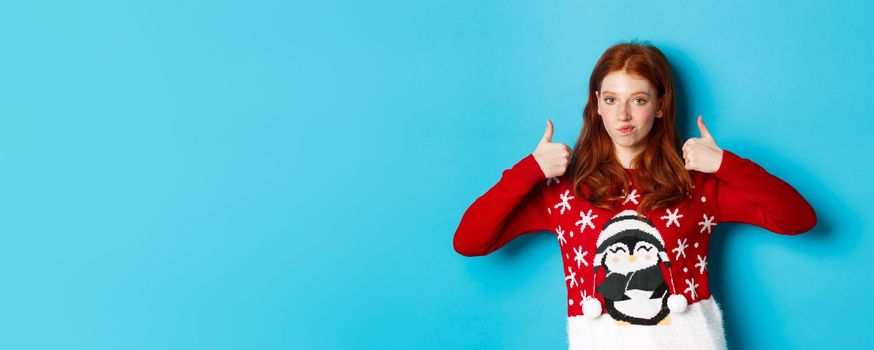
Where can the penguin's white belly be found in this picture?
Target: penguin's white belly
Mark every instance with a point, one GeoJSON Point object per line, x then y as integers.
{"type": "Point", "coordinates": [640, 305]}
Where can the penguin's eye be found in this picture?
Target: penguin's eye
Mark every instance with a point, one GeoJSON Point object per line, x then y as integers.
{"type": "Point", "coordinates": [619, 248]}
{"type": "Point", "coordinates": [643, 248]}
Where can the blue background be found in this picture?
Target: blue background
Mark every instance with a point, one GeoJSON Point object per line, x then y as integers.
{"type": "Point", "coordinates": [289, 175]}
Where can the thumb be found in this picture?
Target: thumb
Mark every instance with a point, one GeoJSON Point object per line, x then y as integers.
{"type": "Point", "coordinates": [704, 132]}
{"type": "Point", "coordinates": [547, 136]}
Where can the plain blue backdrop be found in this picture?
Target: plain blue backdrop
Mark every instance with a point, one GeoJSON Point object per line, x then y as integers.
{"type": "Point", "coordinates": [289, 175]}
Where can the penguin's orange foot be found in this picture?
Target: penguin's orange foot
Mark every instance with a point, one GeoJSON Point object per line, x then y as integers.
{"type": "Point", "coordinates": [621, 323]}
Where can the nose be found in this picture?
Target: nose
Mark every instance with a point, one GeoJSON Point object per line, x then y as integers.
{"type": "Point", "coordinates": [624, 115]}
{"type": "Point", "coordinates": [632, 258]}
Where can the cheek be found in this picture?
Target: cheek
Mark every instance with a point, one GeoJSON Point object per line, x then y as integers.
{"type": "Point", "coordinates": [646, 115]}
{"type": "Point", "coordinates": [605, 110]}
{"type": "Point", "coordinates": [647, 257]}
{"type": "Point", "coordinates": [608, 121]}
{"type": "Point", "coordinates": [645, 121]}
{"type": "Point", "coordinates": [616, 259]}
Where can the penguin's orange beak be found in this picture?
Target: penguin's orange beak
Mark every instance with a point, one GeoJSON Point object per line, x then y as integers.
{"type": "Point", "coordinates": [632, 258]}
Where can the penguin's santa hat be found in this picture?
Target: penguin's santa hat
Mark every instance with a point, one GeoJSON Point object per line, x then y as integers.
{"type": "Point", "coordinates": [629, 223]}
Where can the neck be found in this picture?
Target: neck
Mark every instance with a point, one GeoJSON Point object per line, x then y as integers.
{"type": "Point", "coordinates": [627, 154]}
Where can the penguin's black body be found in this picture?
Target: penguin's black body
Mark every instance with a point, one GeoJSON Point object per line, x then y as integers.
{"type": "Point", "coordinates": [637, 297]}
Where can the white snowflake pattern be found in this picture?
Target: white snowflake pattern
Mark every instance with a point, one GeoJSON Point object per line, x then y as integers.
{"type": "Point", "coordinates": [681, 248]}
{"type": "Point", "coordinates": [707, 223]}
{"type": "Point", "coordinates": [631, 197]}
{"type": "Point", "coordinates": [584, 296]}
{"type": "Point", "coordinates": [586, 220]}
{"type": "Point", "coordinates": [691, 288]}
{"type": "Point", "coordinates": [572, 277]}
{"type": "Point", "coordinates": [560, 233]}
{"type": "Point", "coordinates": [551, 180]}
{"type": "Point", "coordinates": [564, 204]}
{"type": "Point", "coordinates": [672, 217]}
{"type": "Point", "coordinates": [702, 264]}
{"type": "Point", "coordinates": [580, 256]}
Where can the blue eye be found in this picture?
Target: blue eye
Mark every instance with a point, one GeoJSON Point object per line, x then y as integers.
{"type": "Point", "coordinates": [642, 101]}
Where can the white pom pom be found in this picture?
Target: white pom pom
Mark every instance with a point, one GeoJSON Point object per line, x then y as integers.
{"type": "Point", "coordinates": [592, 308]}
{"type": "Point", "coordinates": [677, 303]}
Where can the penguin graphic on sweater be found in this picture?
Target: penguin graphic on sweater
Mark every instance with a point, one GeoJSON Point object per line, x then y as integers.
{"type": "Point", "coordinates": [631, 249]}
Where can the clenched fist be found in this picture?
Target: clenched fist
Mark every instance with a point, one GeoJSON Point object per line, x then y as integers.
{"type": "Point", "coordinates": [553, 158]}
{"type": "Point", "coordinates": [702, 154]}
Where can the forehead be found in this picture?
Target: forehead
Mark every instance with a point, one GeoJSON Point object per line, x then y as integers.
{"type": "Point", "coordinates": [620, 82]}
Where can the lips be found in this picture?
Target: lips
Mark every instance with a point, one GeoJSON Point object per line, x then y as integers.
{"type": "Point", "coordinates": [625, 130]}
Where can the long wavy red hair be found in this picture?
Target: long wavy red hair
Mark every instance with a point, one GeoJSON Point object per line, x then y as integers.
{"type": "Point", "coordinates": [594, 169]}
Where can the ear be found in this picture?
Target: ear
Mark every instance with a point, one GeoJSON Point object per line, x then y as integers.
{"type": "Point", "coordinates": [598, 102]}
{"type": "Point", "coordinates": [659, 109]}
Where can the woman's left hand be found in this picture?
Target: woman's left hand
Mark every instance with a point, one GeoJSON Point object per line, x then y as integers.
{"type": "Point", "coordinates": [702, 154]}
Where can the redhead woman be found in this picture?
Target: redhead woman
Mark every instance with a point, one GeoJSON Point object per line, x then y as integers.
{"type": "Point", "coordinates": [633, 208]}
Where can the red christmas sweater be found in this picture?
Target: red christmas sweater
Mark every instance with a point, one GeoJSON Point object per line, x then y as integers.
{"type": "Point", "coordinates": [525, 201]}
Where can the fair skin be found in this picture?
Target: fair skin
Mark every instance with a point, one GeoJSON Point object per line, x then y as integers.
{"type": "Point", "coordinates": [628, 105]}
{"type": "Point", "coordinates": [630, 102]}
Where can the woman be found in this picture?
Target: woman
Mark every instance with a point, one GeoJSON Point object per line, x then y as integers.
{"type": "Point", "coordinates": [633, 211]}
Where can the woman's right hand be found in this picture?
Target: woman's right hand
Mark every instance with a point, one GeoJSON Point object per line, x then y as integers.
{"type": "Point", "coordinates": [553, 158]}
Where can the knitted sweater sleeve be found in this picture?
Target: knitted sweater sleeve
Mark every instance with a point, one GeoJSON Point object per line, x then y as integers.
{"type": "Point", "coordinates": [747, 193]}
{"type": "Point", "coordinates": [512, 207]}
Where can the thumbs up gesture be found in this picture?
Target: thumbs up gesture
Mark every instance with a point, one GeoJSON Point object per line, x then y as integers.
{"type": "Point", "coordinates": [553, 158]}
{"type": "Point", "coordinates": [702, 154]}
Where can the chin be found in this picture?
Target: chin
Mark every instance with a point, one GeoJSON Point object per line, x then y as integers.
{"type": "Point", "coordinates": [625, 142]}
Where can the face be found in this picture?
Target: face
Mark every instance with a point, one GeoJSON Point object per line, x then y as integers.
{"type": "Point", "coordinates": [630, 255]}
{"type": "Point", "coordinates": [628, 106]}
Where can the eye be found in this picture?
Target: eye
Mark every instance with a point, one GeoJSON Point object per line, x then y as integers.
{"type": "Point", "coordinates": [643, 248]}
{"type": "Point", "coordinates": [618, 249]}
{"type": "Point", "coordinates": [639, 101]}
{"type": "Point", "coordinates": [609, 100]}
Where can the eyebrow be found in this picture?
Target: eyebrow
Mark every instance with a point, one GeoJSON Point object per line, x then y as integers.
{"type": "Point", "coordinates": [634, 93]}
